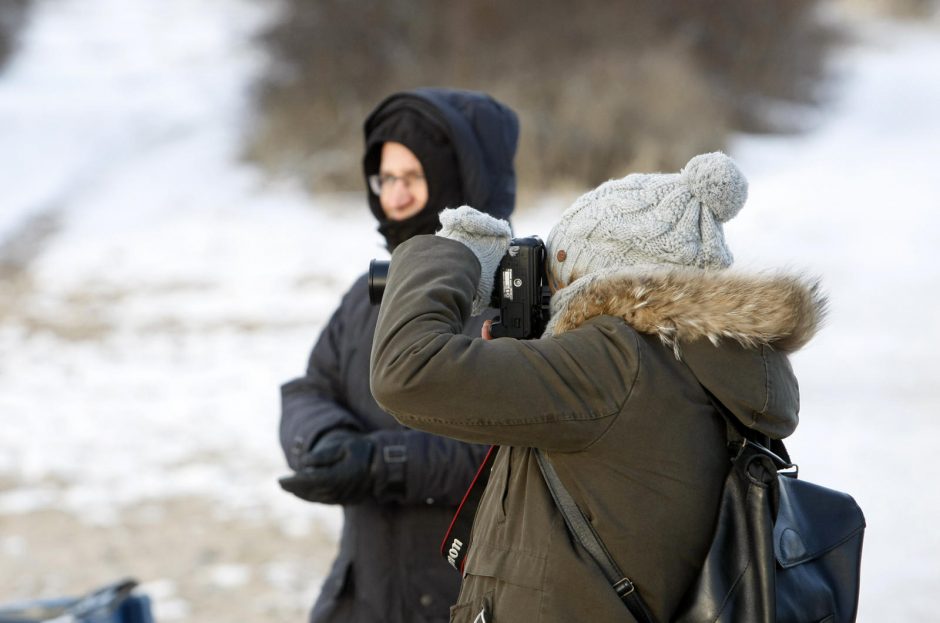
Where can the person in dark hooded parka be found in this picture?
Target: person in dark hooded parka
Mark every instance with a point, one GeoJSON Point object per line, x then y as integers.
{"type": "Point", "coordinates": [425, 150]}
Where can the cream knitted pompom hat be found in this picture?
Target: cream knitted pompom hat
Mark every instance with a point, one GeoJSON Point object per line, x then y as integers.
{"type": "Point", "coordinates": [653, 219]}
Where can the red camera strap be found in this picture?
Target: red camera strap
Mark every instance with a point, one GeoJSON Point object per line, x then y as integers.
{"type": "Point", "coordinates": [456, 542]}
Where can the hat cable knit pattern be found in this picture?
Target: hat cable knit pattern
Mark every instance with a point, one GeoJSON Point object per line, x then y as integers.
{"type": "Point", "coordinates": [656, 219]}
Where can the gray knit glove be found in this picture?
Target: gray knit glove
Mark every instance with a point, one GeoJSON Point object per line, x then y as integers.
{"type": "Point", "coordinates": [486, 236]}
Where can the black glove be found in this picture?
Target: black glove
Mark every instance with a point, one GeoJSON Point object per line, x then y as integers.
{"type": "Point", "coordinates": [337, 470]}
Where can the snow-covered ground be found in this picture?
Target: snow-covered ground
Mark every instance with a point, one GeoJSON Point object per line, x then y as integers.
{"type": "Point", "coordinates": [857, 201]}
{"type": "Point", "coordinates": [166, 290]}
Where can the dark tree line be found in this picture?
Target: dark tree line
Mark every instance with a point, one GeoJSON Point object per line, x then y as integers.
{"type": "Point", "coordinates": [12, 18]}
{"type": "Point", "coordinates": [601, 86]}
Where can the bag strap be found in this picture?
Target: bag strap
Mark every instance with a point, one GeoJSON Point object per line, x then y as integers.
{"type": "Point", "coordinates": [584, 532]}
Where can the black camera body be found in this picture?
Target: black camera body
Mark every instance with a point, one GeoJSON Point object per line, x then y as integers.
{"type": "Point", "coordinates": [520, 289]}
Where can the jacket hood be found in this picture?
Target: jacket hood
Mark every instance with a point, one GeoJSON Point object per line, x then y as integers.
{"type": "Point", "coordinates": [733, 330]}
{"type": "Point", "coordinates": [684, 304]}
{"type": "Point", "coordinates": [482, 135]}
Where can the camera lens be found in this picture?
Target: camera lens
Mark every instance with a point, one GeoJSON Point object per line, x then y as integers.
{"type": "Point", "coordinates": [378, 275]}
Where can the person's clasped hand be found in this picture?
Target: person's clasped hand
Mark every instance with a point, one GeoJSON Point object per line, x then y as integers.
{"type": "Point", "coordinates": [338, 469]}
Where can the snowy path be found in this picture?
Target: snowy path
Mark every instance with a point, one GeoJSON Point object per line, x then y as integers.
{"type": "Point", "coordinates": [140, 353]}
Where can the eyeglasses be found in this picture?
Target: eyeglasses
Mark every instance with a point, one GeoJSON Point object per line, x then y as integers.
{"type": "Point", "coordinates": [379, 183]}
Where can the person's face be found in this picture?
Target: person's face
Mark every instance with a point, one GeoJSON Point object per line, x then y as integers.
{"type": "Point", "coordinates": [404, 191]}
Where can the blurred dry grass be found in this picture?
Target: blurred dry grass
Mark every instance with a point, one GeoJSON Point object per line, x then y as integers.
{"type": "Point", "coordinates": [903, 9]}
{"type": "Point", "coordinates": [196, 563]}
{"type": "Point", "coordinates": [604, 88]}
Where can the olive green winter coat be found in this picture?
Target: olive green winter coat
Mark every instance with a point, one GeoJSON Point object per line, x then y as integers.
{"type": "Point", "coordinates": [623, 418]}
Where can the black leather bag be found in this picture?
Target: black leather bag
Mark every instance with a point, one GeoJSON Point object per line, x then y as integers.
{"type": "Point", "coordinates": [784, 549]}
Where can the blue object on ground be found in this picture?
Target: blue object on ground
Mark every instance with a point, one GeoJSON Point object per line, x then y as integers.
{"type": "Point", "coordinates": [114, 603]}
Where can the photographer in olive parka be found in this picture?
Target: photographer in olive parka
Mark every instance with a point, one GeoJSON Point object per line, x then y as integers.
{"type": "Point", "coordinates": [646, 320]}
{"type": "Point", "coordinates": [425, 150]}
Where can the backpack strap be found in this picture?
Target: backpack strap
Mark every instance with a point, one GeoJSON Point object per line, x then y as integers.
{"type": "Point", "coordinates": [584, 532]}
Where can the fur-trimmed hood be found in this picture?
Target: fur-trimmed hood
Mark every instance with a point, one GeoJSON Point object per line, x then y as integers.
{"type": "Point", "coordinates": [733, 330]}
{"type": "Point", "coordinates": [679, 305]}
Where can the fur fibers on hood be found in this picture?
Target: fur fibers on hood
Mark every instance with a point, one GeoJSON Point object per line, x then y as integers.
{"type": "Point", "coordinates": [679, 305]}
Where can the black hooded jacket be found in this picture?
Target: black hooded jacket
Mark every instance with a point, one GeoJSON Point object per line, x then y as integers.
{"type": "Point", "coordinates": [389, 568]}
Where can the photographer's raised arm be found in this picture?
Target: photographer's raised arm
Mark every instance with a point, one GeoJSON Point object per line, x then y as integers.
{"type": "Point", "coordinates": [543, 392]}
{"type": "Point", "coordinates": [406, 466]}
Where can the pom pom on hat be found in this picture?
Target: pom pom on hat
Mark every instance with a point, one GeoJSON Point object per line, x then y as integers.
{"type": "Point", "coordinates": [717, 182]}
{"type": "Point", "coordinates": [650, 220]}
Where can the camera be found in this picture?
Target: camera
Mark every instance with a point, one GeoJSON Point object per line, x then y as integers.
{"type": "Point", "coordinates": [520, 289]}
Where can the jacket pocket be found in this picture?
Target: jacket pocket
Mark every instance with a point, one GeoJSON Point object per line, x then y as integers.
{"type": "Point", "coordinates": [479, 610]}
{"type": "Point", "coordinates": [513, 566]}
{"type": "Point", "coordinates": [497, 489]}
{"type": "Point", "coordinates": [506, 584]}
{"type": "Point", "coordinates": [507, 477]}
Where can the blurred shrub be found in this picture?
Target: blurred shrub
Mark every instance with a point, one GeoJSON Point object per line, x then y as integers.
{"type": "Point", "coordinates": [601, 88]}
{"type": "Point", "coordinates": [903, 9]}
{"type": "Point", "coordinates": [12, 18]}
